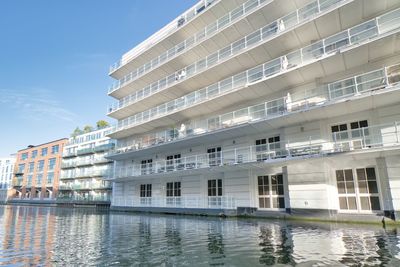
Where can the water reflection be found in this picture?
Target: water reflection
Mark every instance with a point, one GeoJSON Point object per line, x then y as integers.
{"type": "Point", "coordinates": [69, 237]}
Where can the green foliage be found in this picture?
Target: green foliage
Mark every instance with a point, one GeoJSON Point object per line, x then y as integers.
{"type": "Point", "coordinates": [102, 124]}
{"type": "Point", "coordinates": [76, 132]}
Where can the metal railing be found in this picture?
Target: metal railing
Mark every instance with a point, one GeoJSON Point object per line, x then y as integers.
{"type": "Point", "coordinates": [79, 198]}
{"type": "Point", "coordinates": [379, 136]}
{"type": "Point", "coordinates": [177, 23]}
{"type": "Point", "coordinates": [327, 47]}
{"type": "Point", "coordinates": [86, 186]}
{"type": "Point", "coordinates": [84, 162]}
{"type": "Point", "coordinates": [379, 79]}
{"type": "Point", "coordinates": [215, 202]}
{"type": "Point", "coordinates": [96, 173]}
{"type": "Point", "coordinates": [268, 32]}
{"type": "Point", "coordinates": [202, 35]}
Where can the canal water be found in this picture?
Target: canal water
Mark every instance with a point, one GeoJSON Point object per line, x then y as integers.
{"type": "Point", "coordinates": [40, 236]}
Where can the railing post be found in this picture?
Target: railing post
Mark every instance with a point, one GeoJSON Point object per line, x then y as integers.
{"type": "Point", "coordinates": [386, 76]}
{"type": "Point", "coordinates": [396, 131]}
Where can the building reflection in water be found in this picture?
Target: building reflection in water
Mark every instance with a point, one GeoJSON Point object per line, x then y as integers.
{"type": "Point", "coordinates": [31, 236]}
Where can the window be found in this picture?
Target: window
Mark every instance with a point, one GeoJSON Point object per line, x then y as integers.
{"type": "Point", "coordinates": [266, 148]}
{"type": "Point", "coordinates": [357, 129]}
{"type": "Point", "coordinates": [50, 179]}
{"type": "Point", "coordinates": [145, 194]}
{"type": "Point", "coordinates": [52, 164]}
{"type": "Point", "coordinates": [214, 156]}
{"type": "Point", "coordinates": [146, 166]}
{"type": "Point", "coordinates": [174, 189]}
{"type": "Point", "coordinates": [24, 156]}
{"type": "Point", "coordinates": [271, 192]}
{"type": "Point", "coordinates": [34, 154]}
{"type": "Point", "coordinates": [29, 180]}
{"type": "Point", "coordinates": [44, 151]}
{"type": "Point", "coordinates": [31, 167]}
{"type": "Point", "coordinates": [360, 192]}
{"type": "Point", "coordinates": [39, 179]}
{"type": "Point", "coordinates": [55, 149]}
{"type": "Point", "coordinates": [21, 168]}
{"type": "Point", "coordinates": [340, 131]}
{"type": "Point", "coordinates": [214, 192]}
{"type": "Point", "coordinates": [173, 162]}
{"type": "Point", "coordinates": [40, 166]}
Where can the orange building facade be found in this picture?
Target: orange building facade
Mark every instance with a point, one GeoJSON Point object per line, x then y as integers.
{"type": "Point", "coordinates": [37, 171]}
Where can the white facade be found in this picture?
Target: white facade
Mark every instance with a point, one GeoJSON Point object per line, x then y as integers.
{"type": "Point", "coordinates": [6, 175]}
{"type": "Point", "coordinates": [289, 107]}
{"type": "Point", "coordinates": [84, 168]}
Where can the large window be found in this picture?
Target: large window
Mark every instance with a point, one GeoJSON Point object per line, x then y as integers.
{"type": "Point", "coordinates": [358, 190]}
{"type": "Point", "coordinates": [271, 192]}
{"type": "Point", "coordinates": [21, 168]}
{"type": "Point", "coordinates": [145, 194]}
{"type": "Point", "coordinates": [40, 165]}
{"type": "Point", "coordinates": [31, 167]}
{"type": "Point", "coordinates": [214, 156]}
{"type": "Point", "coordinates": [55, 149]}
{"type": "Point", "coordinates": [44, 152]}
{"type": "Point", "coordinates": [146, 166]}
{"type": "Point", "coordinates": [214, 192]}
{"type": "Point", "coordinates": [174, 193]}
{"type": "Point", "coordinates": [52, 164]}
{"type": "Point", "coordinates": [340, 131]}
{"type": "Point", "coordinates": [39, 179]}
{"type": "Point", "coordinates": [34, 154]}
{"type": "Point", "coordinates": [267, 148]}
{"type": "Point", "coordinates": [24, 156]}
{"type": "Point", "coordinates": [173, 162]}
{"type": "Point", "coordinates": [50, 179]}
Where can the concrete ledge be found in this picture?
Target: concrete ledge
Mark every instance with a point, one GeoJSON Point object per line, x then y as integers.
{"type": "Point", "coordinates": [33, 202]}
{"type": "Point", "coordinates": [183, 211]}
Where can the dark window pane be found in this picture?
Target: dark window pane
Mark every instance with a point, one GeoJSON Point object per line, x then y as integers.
{"type": "Point", "coordinates": [362, 187]}
{"type": "Point", "coordinates": [361, 174]}
{"type": "Point", "coordinates": [280, 179]}
{"type": "Point", "coordinates": [375, 203]}
{"type": "Point", "coordinates": [350, 187]}
{"type": "Point", "coordinates": [363, 124]}
{"type": "Point", "coordinates": [341, 188]}
{"type": "Point", "coordinates": [335, 129]}
{"type": "Point", "coordinates": [371, 174]}
{"type": "Point", "coordinates": [339, 175]}
{"type": "Point", "coordinates": [352, 203]}
{"type": "Point", "coordinates": [348, 175]}
{"type": "Point", "coordinates": [280, 189]}
{"type": "Point", "coordinates": [354, 125]}
{"type": "Point", "coordinates": [260, 190]}
{"type": "Point", "coordinates": [373, 187]}
{"type": "Point", "coordinates": [281, 203]}
{"type": "Point", "coordinates": [343, 203]}
{"type": "Point", "coordinates": [343, 127]}
{"type": "Point", "coordinates": [261, 202]}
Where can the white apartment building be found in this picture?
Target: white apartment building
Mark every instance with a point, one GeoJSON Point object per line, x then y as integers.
{"type": "Point", "coordinates": [6, 176]}
{"type": "Point", "coordinates": [263, 107]}
{"type": "Point", "coordinates": [84, 169]}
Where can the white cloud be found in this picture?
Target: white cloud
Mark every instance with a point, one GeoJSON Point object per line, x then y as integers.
{"type": "Point", "coordinates": [35, 104]}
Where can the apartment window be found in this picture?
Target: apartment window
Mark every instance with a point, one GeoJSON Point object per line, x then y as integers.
{"type": "Point", "coordinates": [173, 161]}
{"type": "Point", "coordinates": [24, 156]}
{"type": "Point", "coordinates": [44, 151]}
{"type": "Point", "coordinates": [21, 168]}
{"type": "Point", "coordinates": [357, 129]}
{"type": "Point", "coordinates": [52, 164]}
{"type": "Point", "coordinates": [55, 149]}
{"type": "Point", "coordinates": [40, 166]}
{"type": "Point", "coordinates": [174, 189]}
{"type": "Point", "coordinates": [39, 179]}
{"type": "Point", "coordinates": [29, 180]}
{"type": "Point", "coordinates": [271, 192]}
{"type": "Point", "coordinates": [31, 167]}
{"type": "Point", "coordinates": [214, 156]}
{"type": "Point", "coordinates": [146, 166]}
{"type": "Point", "coordinates": [358, 192]}
{"type": "Point", "coordinates": [50, 179]}
{"type": "Point", "coordinates": [340, 131]}
{"type": "Point", "coordinates": [34, 154]}
{"type": "Point", "coordinates": [267, 147]}
{"type": "Point", "coordinates": [214, 187]}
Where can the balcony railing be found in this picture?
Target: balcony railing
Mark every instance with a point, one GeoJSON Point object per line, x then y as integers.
{"type": "Point", "coordinates": [88, 186]}
{"type": "Point", "coordinates": [99, 173]}
{"type": "Point", "coordinates": [381, 136]}
{"type": "Point", "coordinates": [84, 162]}
{"type": "Point", "coordinates": [379, 79]}
{"type": "Point", "coordinates": [216, 202]}
{"type": "Point", "coordinates": [357, 35]}
{"type": "Point", "coordinates": [276, 28]}
{"type": "Point", "coordinates": [83, 198]}
{"type": "Point", "coordinates": [210, 30]}
{"type": "Point", "coordinates": [177, 23]}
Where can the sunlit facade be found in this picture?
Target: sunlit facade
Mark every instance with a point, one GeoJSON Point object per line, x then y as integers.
{"type": "Point", "coordinates": [262, 107]}
{"type": "Point", "coordinates": [6, 177]}
{"type": "Point", "coordinates": [84, 169]}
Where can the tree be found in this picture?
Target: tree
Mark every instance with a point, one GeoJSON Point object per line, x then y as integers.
{"type": "Point", "coordinates": [87, 129]}
{"type": "Point", "coordinates": [76, 132]}
{"type": "Point", "coordinates": [102, 124]}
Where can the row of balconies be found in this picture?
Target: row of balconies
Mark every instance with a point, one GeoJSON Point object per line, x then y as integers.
{"type": "Point", "coordinates": [85, 174]}
{"type": "Point", "coordinates": [300, 101]}
{"type": "Point", "coordinates": [276, 28]}
{"type": "Point", "coordinates": [87, 186]}
{"type": "Point", "coordinates": [185, 18]}
{"type": "Point", "coordinates": [373, 137]}
{"type": "Point", "coordinates": [216, 202]}
{"type": "Point", "coordinates": [82, 198]}
{"type": "Point", "coordinates": [202, 35]}
{"type": "Point", "coordinates": [89, 150]}
{"type": "Point", "coordinates": [388, 23]}
{"type": "Point", "coordinates": [84, 162]}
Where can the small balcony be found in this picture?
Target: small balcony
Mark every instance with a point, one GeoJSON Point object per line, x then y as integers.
{"type": "Point", "coordinates": [380, 137]}
{"type": "Point", "coordinates": [276, 28]}
{"type": "Point", "coordinates": [82, 199]}
{"type": "Point", "coordinates": [216, 202]}
{"type": "Point", "coordinates": [67, 154]}
{"type": "Point", "coordinates": [359, 85]}
{"type": "Point", "coordinates": [354, 37]}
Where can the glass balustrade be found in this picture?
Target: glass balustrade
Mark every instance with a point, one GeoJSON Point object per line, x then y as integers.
{"type": "Point", "coordinates": [213, 28]}
{"type": "Point", "coordinates": [387, 135]}
{"type": "Point", "coordinates": [375, 80]}
{"type": "Point", "coordinates": [265, 33]}
{"type": "Point", "coordinates": [301, 57]}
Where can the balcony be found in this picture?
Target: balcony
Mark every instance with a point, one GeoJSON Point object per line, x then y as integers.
{"type": "Point", "coordinates": [380, 137]}
{"type": "Point", "coordinates": [278, 27]}
{"type": "Point", "coordinates": [163, 33]}
{"type": "Point", "coordinates": [218, 202]}
{"type": "Point", "coordinates": [96, 149]}
{"type": "Point", "coordinates": [82, 199]}
{"type": "Point", "coordinates": [359, 85]}
{"type": "Point", "coordinates": [67, 154]}
{"type": "Point", "coordinates": [367, 32]}
{"type": "Point", "coordinates": [97, 173]}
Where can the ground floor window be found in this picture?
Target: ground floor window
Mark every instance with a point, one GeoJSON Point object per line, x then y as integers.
{"type": "Point", "coordinates": [173, 193]}
{"type": "Point", "coordinates": [271, 192]}
{"type": "Point", "coordinates": [358, 190]}
{"type": "Point", "coordinates": [214, 187]}
{"type": "Point", "coordinates": [145, 194]}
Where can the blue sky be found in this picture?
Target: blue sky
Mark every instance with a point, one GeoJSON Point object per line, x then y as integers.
{"type": "Point", "coordinates": [54, 60]}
